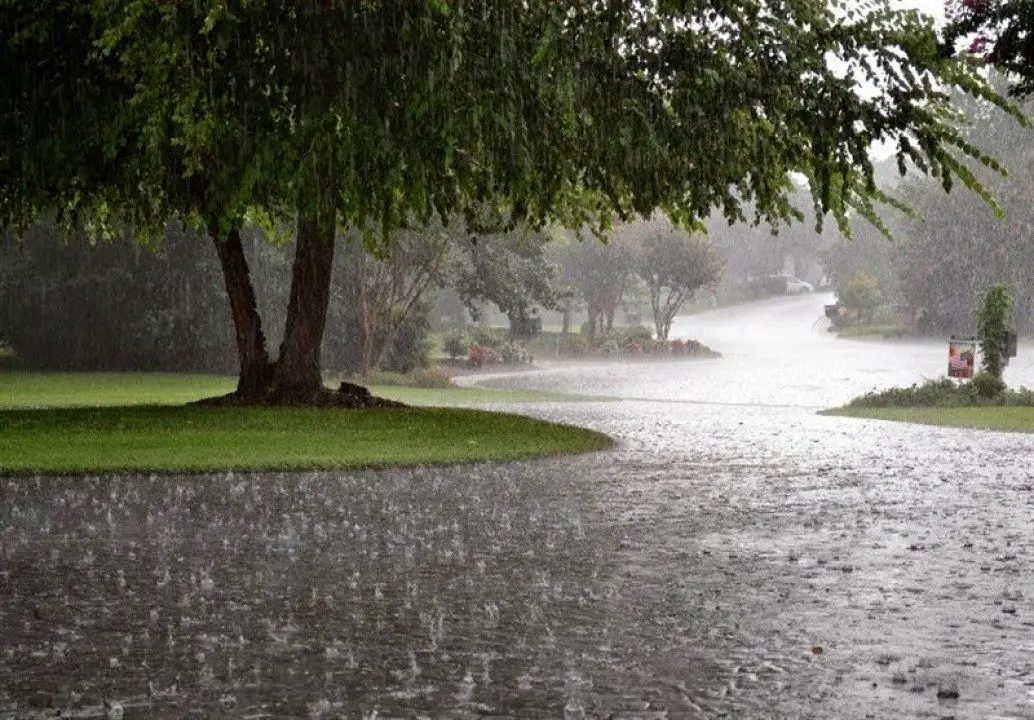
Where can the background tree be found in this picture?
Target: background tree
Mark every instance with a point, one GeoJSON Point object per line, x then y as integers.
{"type": "Point", "coordinates": [380, 301]}
{"type": "Point", "coordinates": [600, 273]}
{"type": "Point", "coordinates": [510, 270]}
{"type": "Point", "coordinates": [70, 304]}
{"type": "Point", "coordinates": [956, 246]}
{"type": "Point", "coordinates": [674, 265]}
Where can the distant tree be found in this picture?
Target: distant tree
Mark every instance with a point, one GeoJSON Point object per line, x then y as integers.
{"type": "Point", "coordinates": [994, 306]}
{"type": "Point", "coordinates": [600, 273]}
{"type": "Point", "coordinates": [956, 247]}
{"type": "Point", "coordinates": [378, 301]}
{"type": "Point", "coordinates": [510, 270]}
{"type": "Point", "coordinates": [71, 304]}
{"type": "Point", "coordinates": [674, 265]}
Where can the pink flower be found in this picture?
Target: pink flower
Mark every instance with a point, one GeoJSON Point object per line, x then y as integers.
{"type": "Point", "coordinates": [979, 45]}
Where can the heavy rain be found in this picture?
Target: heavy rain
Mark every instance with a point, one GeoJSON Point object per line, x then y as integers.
{"type": "Point", "coordinates": [604, 216]}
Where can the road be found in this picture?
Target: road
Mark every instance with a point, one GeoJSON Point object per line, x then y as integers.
{"type": "Point", "coordinates": [736, 556]}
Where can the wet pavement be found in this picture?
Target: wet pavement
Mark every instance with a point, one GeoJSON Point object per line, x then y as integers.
{"type": "Point", "coordinates": [735, 556]}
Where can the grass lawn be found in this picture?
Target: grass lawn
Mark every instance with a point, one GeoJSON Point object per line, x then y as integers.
{"type": "Point", "coordinates": [44, 390]}
{"type": "Point", "coordinates": [94, 423]}
{"type": "Point", "coordinates": [1006, 418]}
{"type": "Point", "coordinates": [874, 331]}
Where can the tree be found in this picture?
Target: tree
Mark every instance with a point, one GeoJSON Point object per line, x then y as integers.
{"type": "Point", "coordinates": [580, 112]}
{"type": "Point", "coordinates": [377, 297]}
{"type": "Point", "coordinates": [999, 31]}
{"type": "Point", "coordinates": [994, 305]}
{"type": "Point", "coordinates": [600, 272]}
{"type": "Point", "coordinates": [70, 304]}
{"type": "Point", "coordinates": [973, 248]}
{"type": "Point", "coordinates": [674, 265]}
{"type": "Point", "coordinates": [510, 270]}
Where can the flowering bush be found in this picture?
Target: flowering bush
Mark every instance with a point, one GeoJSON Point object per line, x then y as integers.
{"type": "Point", "coordinates": [479, 356]}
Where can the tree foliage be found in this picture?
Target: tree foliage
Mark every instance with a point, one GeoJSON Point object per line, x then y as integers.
{"type": "Point", "coordinates": [674, 265]}
{"type": "Point", "coordinates": [955, 247]}
{"type": "Point", "coordinates": [999, 31]}
{"type": "Point", "coordinates": [378, 305]}
{"type": "Point", "coordinates": [994, 306]}
{"type": "Point", "coordinates": [69, 304]}
{"type": "Point", "coordinates": [600, 273]}
{"type": "Point", "coordinates": [510, 270]}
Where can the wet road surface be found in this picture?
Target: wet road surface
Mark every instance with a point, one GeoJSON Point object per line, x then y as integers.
{"type": "Point", "coordinates": [735, 556]}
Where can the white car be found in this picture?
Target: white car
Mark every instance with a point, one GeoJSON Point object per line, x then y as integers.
{"type": "Point", "coordinates": [793, 285]}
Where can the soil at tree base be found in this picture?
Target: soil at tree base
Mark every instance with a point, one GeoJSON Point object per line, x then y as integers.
{"type": "Point", "coordinates": [348, 395]}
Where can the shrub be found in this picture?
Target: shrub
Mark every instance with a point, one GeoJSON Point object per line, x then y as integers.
{"type": "Point", "coordinates": [456, 343]}
{"type": "Point", "coordinates": [479, 356]}
{"type": "Point", "coordinates": [983, 390]}
{"type": "Point", "coordinates": [860, 294]}
{"type": "Point", "coordinates": [487, 337]}
{"type": "Point", "coordinates": [513, 354]}
{"type": "Point", "coordinates": [987, 384]}
{"type": "Point", "coordinates": [607, 344]}
{"type": "Point", "coordinates": [410, 348]}
{"type": "Point", "coordinates": [633, 335]}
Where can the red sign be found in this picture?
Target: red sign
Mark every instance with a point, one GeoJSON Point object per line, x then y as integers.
{"type": "Point", "coordinates": [962, 354]}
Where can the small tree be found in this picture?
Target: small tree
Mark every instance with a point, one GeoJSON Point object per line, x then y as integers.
{"type": "Point", "coordinates": [674, 266]}
{"type": "Point", "coordinates": [861, 293]}
{"type": "Point", "coordinates": [510, 270]}
{"type": "Point", "coordinates": [992, 320]}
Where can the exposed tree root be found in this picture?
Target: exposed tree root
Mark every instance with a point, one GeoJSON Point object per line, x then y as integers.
{"type": "Point", "coordinates": [347, 395]}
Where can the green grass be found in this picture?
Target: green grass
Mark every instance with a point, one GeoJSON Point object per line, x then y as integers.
{"type": "Point", "coordinates": [98, 423]}
{"type": "Point", "coordinates": [193, 439]}
{"type": "Point", "coordinates": [1001, 418]}
{"type": "Point", "coordinates": [45, 390]}
{"type": "Point", "coordinates": [461, 396]}
{"type": "Point", "coordinates": [875, 331]}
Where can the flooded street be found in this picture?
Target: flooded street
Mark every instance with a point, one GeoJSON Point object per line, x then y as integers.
{"type": "Point", "coordinates": [735, 556]}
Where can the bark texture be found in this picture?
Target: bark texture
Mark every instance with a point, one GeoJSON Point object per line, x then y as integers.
{"type": "Point", "coordinates": [256, 371]}
{"type": "Point", "coordinates": [298, 369]}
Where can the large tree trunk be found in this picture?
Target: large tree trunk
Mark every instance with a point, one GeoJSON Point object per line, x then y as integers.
{"type": "Point", "coordinates": [256, 372]}
{"type": "Point", "coordinates": [298, 376]}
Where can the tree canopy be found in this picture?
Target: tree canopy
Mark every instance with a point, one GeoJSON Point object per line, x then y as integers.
{"type": "Point", "coordinates": [674, 265]}
{"type": "Point", "coordinates": [997, 30]}
{"type": "Point", "coordinates": [376, 114]}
